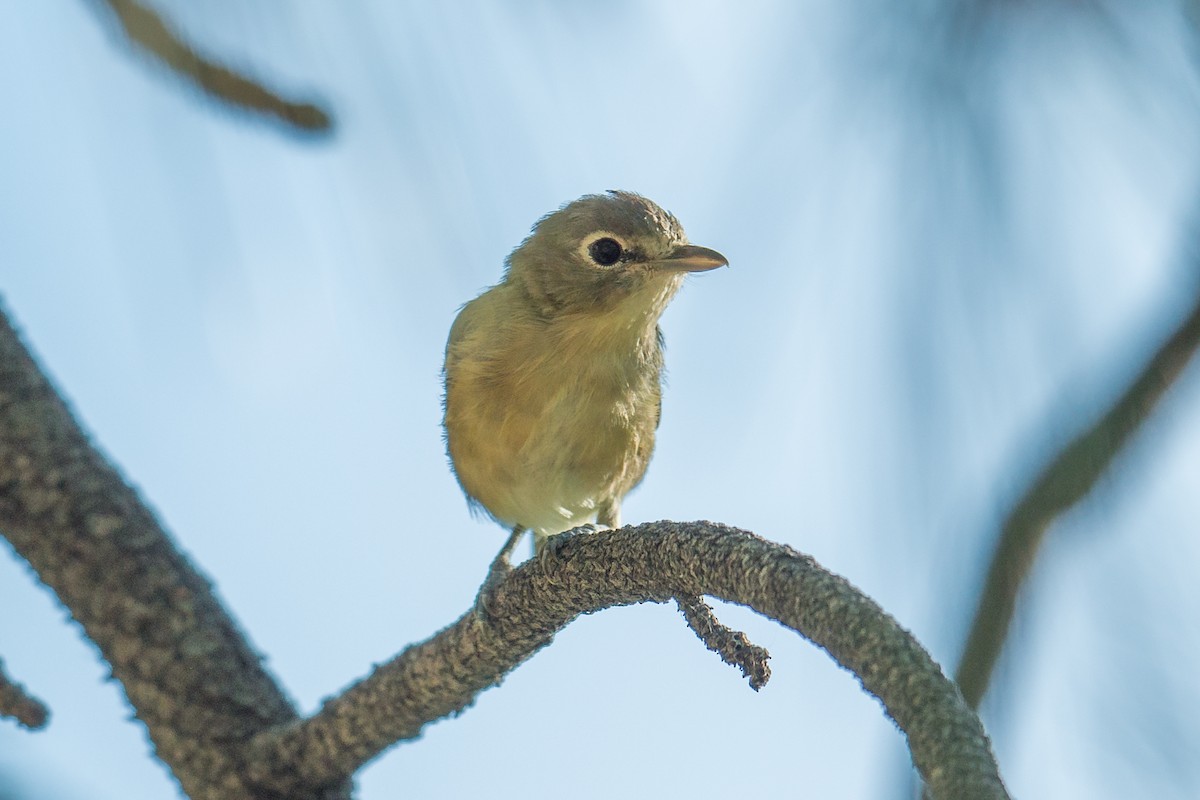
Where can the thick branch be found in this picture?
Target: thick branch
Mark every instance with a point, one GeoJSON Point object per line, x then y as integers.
{"type": "Point", "coordinates": [148, 30]}
{"type": "Point", "coordinates": [1062, 484]}
{"type": "Point", "coordinates": [186, 668]}
{"type": "Point", "coordinates": [215, 716]}
{"type": "Point", "coordinates": [17, 703]}
{"type": "Point", "coordinates": [655, 562]}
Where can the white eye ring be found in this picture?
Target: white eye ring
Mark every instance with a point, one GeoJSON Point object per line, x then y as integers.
{"type": "Point", "coordinates": [603, 248]}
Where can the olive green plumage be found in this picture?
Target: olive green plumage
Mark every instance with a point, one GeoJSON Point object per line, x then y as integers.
{"type": "Point", "coordinates": [553, 376]}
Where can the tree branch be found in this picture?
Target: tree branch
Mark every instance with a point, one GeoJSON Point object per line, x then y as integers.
{"type": "Point", "coordinates": [148, 30]}
{"type": "Point", "coordinates": [186, 669]}
{"type": "Point", "coordinates": [1065, 481]}
{"type": "Point", "coordinates": [224, 727]}
{"type": "Point", "coordinates": [581, 574]}
{"type": "Point", "coordinates": [15, 702]}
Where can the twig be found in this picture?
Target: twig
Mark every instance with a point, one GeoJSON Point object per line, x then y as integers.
{"type": "Point", "coordinates": [732, 646]}
{"type": "Point", "coordinates": [1061, 484]}
{"type": "Point", "coordinates": [15, 702]}
{"type": "Point", "coordinates": [147, 29]}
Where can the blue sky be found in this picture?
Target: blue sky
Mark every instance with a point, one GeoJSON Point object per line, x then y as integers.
{"type": "Point", "coordinates": [951, 234]}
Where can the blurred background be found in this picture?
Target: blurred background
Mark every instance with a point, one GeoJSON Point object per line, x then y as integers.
{"type": "Point", "coordinates": [957, 229]}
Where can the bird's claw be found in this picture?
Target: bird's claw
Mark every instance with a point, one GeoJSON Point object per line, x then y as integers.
{"type": "Point", "coordinates": [549, 546]}
{"type": "Point", "coordinates": [496, 574]}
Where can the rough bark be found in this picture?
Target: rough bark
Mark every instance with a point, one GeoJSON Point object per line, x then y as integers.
{"type": "Point", "coordinates": [188, 672]}
{"type": "Point", "coordinates": [653, 562]}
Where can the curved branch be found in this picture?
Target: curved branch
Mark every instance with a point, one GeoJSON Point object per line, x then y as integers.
{"type": "Point", "coordinates": [187, 670]}
{"type": "Point", "coordinates": [581, 574]}
{"type": "Point", "coordinates": [17, 703]}
{"type": "Point", "coordinates": [1062, 483]}
{"type": "Point", "coordinates": [224, 727]}
{"type": "Point", "coordinates": [147, 29]}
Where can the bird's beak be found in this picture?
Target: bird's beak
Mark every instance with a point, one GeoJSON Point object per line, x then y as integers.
{"type": "Point", "coordinates": [691, 258]}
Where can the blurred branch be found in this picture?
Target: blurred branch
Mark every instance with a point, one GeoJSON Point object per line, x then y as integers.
{"type": "Point", "coordinates": [147, 29]}
{"type": "Point", "coordinates": [1066, 480]}
{"type": "Point", "coordinates": [518, 615]}
{"type": "Point", "coordinates": [15, 702]}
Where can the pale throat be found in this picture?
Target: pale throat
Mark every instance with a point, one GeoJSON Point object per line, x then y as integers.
{"type": "Point", "coordinates": [629, 327]}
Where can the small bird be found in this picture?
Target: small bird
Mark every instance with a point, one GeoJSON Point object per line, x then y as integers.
{"type": "Point", "coordinates": [554, 375]}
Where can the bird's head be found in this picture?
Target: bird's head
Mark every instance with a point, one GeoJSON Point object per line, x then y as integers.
{"type": "Point", "coordinates": [614, 252]}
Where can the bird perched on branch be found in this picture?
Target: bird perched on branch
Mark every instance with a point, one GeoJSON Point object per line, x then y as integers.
{"type": "Point", "coordinates": [554, 375]}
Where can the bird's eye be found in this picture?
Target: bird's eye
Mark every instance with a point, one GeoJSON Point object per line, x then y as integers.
{"type": "Point", "coordinates": [605, 252]}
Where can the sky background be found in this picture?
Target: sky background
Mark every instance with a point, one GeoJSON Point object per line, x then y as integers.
{"type": "Point", "coordinates": [954, 228]}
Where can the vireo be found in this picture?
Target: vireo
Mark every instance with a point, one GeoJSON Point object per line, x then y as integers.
{"type": "Point", "coordinates": [554, 375]}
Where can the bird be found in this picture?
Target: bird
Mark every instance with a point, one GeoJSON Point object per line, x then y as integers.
{"type": "Point", "coordinates": [553, 377]}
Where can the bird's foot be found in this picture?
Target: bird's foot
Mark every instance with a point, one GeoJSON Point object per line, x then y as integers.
{"type": "Point", "coordinates": [484, 598]}
{"type": "Point", "coordinates": [546, 546]}
{"type": "Point", "coordinates": [497, 572]}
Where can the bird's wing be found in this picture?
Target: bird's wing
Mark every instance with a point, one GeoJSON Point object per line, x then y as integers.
{"type": "Point", "coordinates": [469, 318]}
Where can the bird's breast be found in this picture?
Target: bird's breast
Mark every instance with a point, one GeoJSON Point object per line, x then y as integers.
{"type": "Point", "coordinates": [544, 425]}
